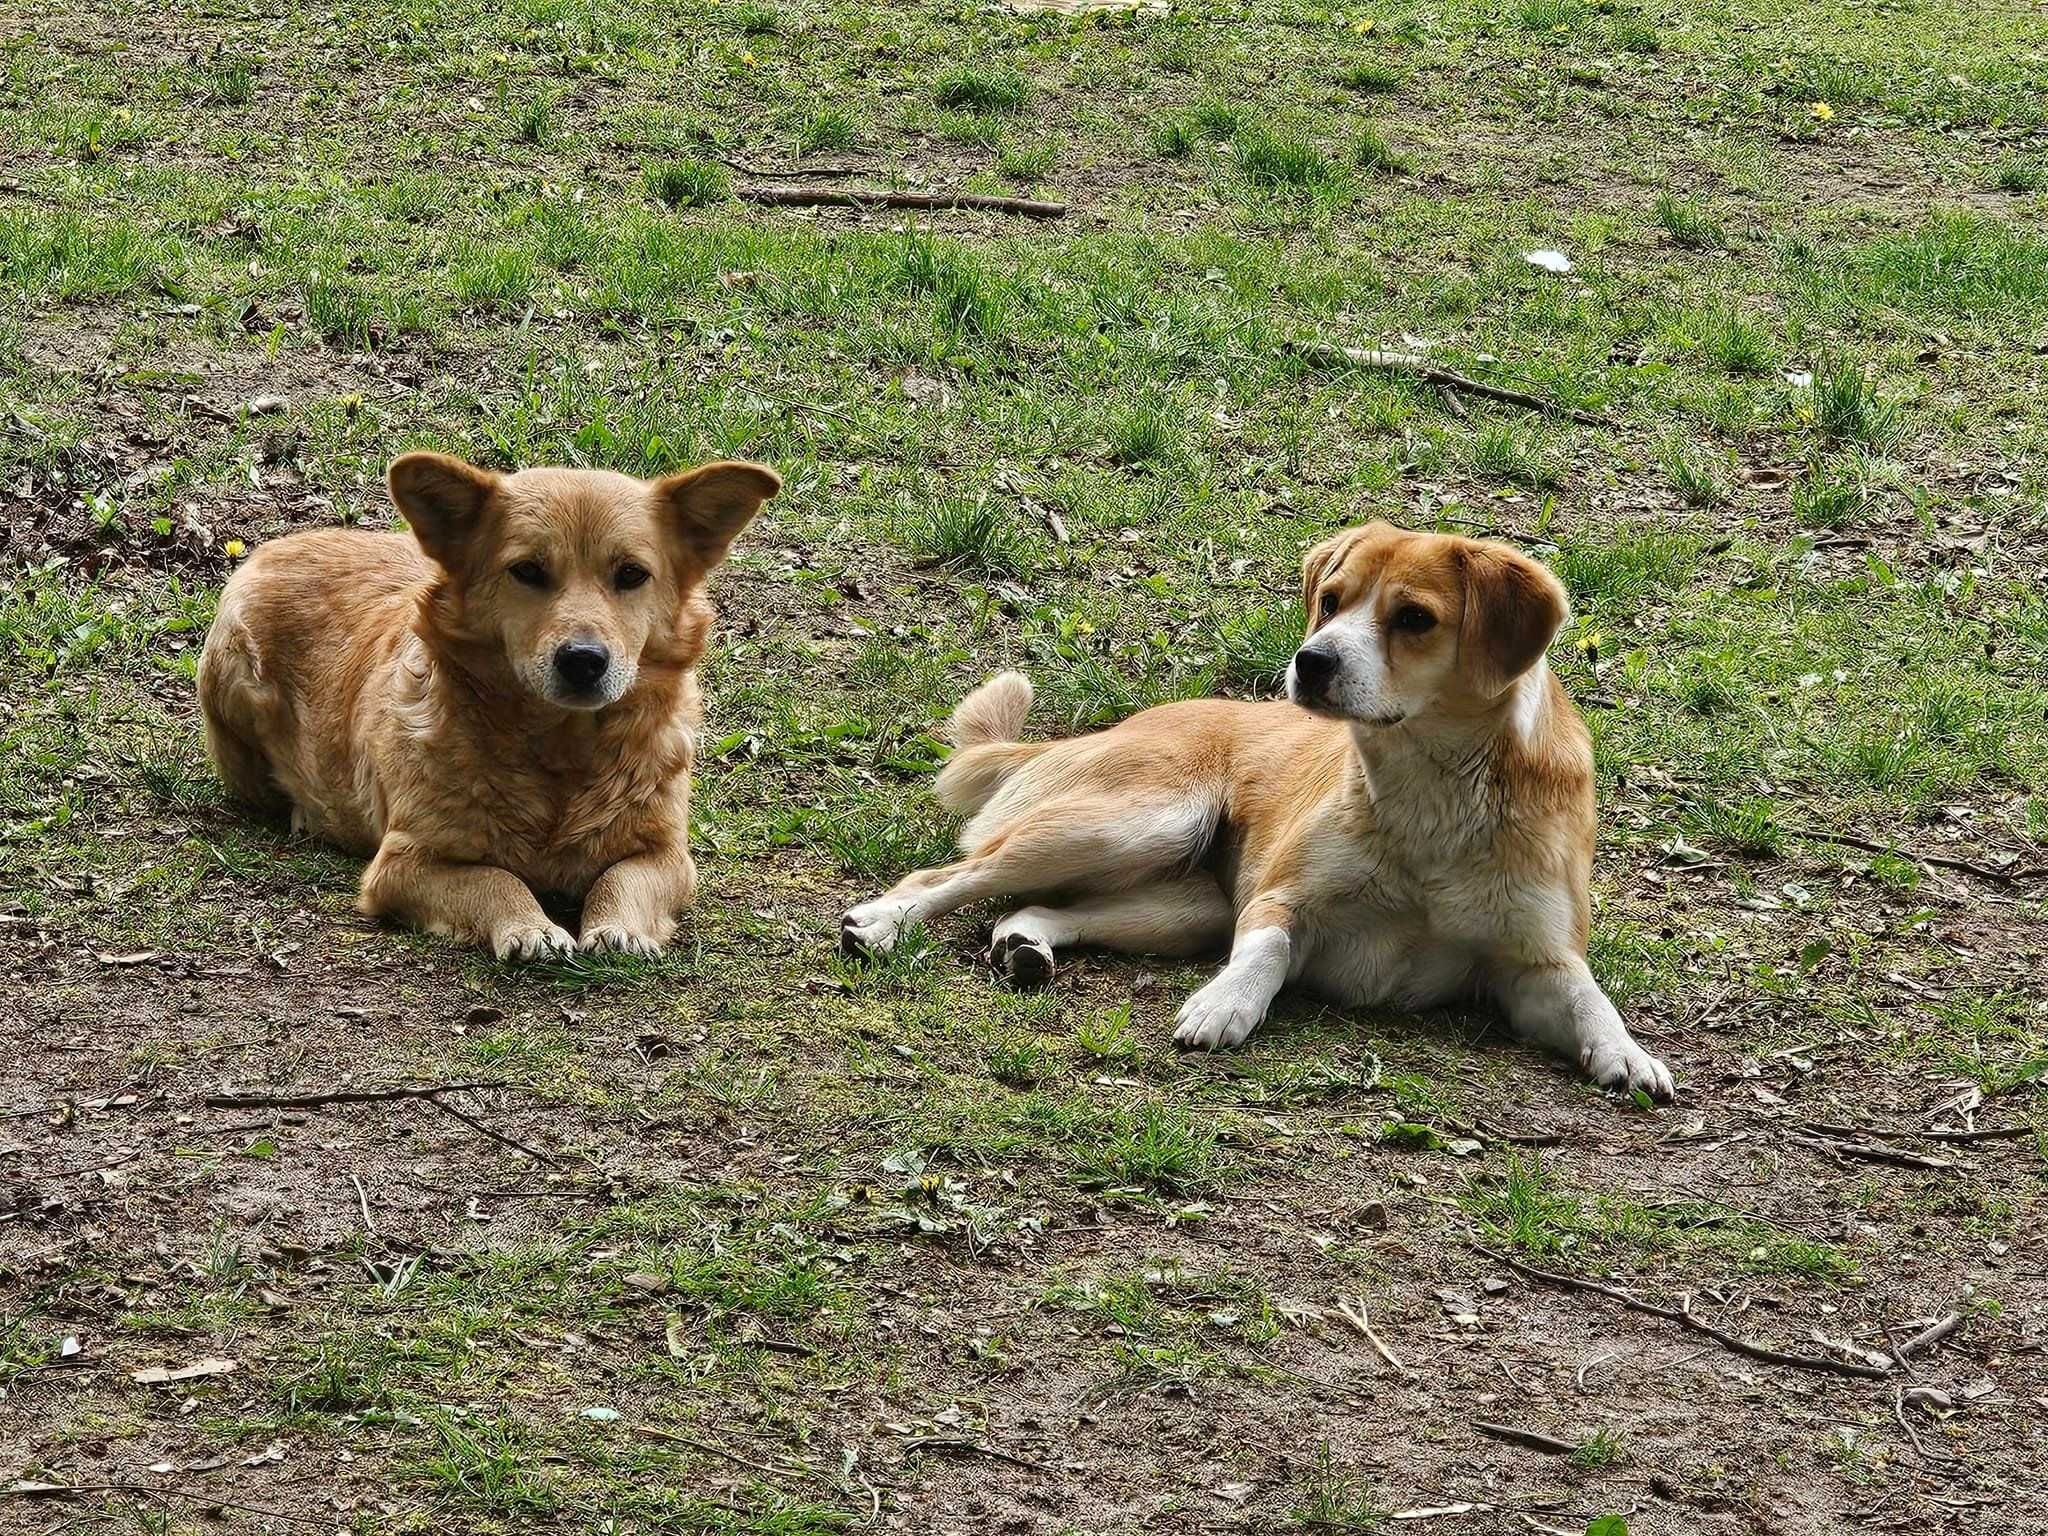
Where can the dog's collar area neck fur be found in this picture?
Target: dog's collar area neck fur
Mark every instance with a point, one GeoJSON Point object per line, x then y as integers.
{"type": "Point", "coordinates": [1453, 743]}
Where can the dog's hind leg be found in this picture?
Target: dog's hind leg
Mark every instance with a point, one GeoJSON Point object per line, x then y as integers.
{"type": "Point", "coordinates": [243, 768]}
{"type": "Point", "coordinates": [1179, 918]}
{"type": "Point", "coordinates": [1079, 844]}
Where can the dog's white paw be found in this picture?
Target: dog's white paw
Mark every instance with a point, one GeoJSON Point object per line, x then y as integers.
{"type": "Point", "coordinates": [532, 941]}
{"type": "Point", "coordinates": [1219, 1016]}
{"type": "Point", "coordinates": [873, 927]}
{"type": "Point", "coordinates": [1624, 1066]}
{"type": "Point", "coordinates": [622, 940]}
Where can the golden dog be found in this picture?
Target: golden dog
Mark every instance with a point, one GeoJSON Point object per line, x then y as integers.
{"type": "Point", "coordinates": [1414, 825]}
{"type": "Point", "coordinates": [501, 701]}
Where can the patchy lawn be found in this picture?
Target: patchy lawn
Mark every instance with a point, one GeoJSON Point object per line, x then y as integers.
{"type": "Point", "coordinates": [750, 1240]}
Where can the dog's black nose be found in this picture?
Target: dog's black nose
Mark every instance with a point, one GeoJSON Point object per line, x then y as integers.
{"type": "Point", "coordinates": [1313, 668]}
{"type": "Point", "coordinates": [580, 663]}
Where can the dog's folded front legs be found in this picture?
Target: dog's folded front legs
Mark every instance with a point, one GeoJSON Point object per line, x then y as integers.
{"type": "Point", "coordinates": [1561, 1006]}
{"type": "Point", "coordinates": [1262, 959]}
{"type": "Point", "coordinates": [478, 903]}
{"type": "Point", "coordinates": [633, 905]}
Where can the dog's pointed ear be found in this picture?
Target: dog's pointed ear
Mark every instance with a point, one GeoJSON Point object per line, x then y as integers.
{"type": "Point", "coordinates": [443, 500]}
{"type": "Point", "coordinates": [1513, 610]}
{"type": "Point", "coordinates": [1324, 558]}
{"type": "Point", "coordinates": [709, 505]}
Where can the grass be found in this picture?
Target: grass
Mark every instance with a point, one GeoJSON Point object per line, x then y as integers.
{"type": "Point", "coordinates": [973, 88]}
{"type": "Point", "coordinates": [1688, 224]}
{"type": "Point", "coordinates": [688, 183]}
{"type": "Point", "coordinates": [1526, 1209]}
{"type": "Point", "coordinates": [785, 1187]}
{"type": "Point", "coordinates": [1849, 408]}
{"type": "Point", "coordinates": [1274, 160]}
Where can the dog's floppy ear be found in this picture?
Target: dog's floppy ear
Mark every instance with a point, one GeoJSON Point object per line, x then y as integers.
{"type": "Point", "coordinates": [1513, 610]}
{"type": "Point", "coordinates": [709, 505]}
{"type": "Point", "coordinates": [444, 501]}
{"type": "Point", "coordinates": [1324, 558]}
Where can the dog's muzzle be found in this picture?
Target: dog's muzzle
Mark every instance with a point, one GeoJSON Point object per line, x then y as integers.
{"type": "Point", "coordinates": [1311, 674]}
{"type": "Point", "coordinates": [580, 666]}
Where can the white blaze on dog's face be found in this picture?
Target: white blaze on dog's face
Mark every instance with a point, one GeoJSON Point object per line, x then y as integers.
{"type": "Point", "coordinates": [580, 577]}
{"type": "Point", "coordinates": [1407, 625]}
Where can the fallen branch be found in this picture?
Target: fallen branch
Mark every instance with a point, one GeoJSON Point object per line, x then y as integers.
{"type": "Point", "coordinates": [1549, 1445]}
{"type": "Point", "coordinates": [1939, 861]}
{"type": "Point", "coordinates": [339, 1096]}
{"type": "Point", "coordinates": [834, 197]}
{"type": "Point", "coordinates": [1423, 368]}
{"type": "Point", "coordinates": [1354, 1314]}
{"type": "Point", "coordinates": [1687, 1318]}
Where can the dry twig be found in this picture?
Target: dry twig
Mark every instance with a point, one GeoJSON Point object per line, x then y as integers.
{"type": "Point", "coordinates": [1927, 1338]}
{"type": "Point", "coordinates": [973, 1448]}
{"type": "Point", "coordinates": [1871, 1152]}
{"type": "Point", "coordinates": [835, 197]}
{"type": "Point", "coordinates": [1939, 861]}
{"type": "Point", "coordinates": [1549, 1445]}
{"type": "Point", "coordinates": [1354, 1313]}
{"type": "Point", "coordinates": [1422, 368]}
{"type": "Point", "coordinates": [340, 1096]}
{"type": "Point", "coordinates": [1687, 1318]}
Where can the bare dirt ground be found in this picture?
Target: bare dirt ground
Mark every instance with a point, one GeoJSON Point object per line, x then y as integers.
{"type": "Point", "coordinates": [308, 1224]}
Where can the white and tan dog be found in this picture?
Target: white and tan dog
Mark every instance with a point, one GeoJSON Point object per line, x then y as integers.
{"type": "Point", "coordinates": [1413, 827]}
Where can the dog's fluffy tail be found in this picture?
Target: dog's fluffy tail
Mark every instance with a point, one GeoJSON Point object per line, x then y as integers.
{"type": "Point", "coordinates": [984, 727]}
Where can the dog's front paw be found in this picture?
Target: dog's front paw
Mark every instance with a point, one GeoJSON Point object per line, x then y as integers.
{"type": "Point", "coordinates": [1625, 1067]}
{"type": "Point", "coordinates": [618, 939]}
{"type": "Point", "coordinates": [531, 941]}
{"type": "Point", "coordinates": [873, 927]}
{"type": "Point", "coordinates": [1219, 1016]}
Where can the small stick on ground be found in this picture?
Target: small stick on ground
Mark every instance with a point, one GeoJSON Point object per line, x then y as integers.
{"type": "Point", "coordinates": [1927, 1338]}
{"type": "Point", "coordinates": [1354, 1314]}
{"type": "Point", "coordinates": [973, 1448]}
{"type": "Point", "coordinates": [1688, 1319]}
{"type": "Point", "coordinates": [484, 1130]}
{"type": "Point", "coordinates": [1871, 1152]}
{"type": "Point", "coordinates": [1899, 1413]}
{"type": "Point", "coordinates": [363, 1202]}
{"type": "Point", "coordinates": [35, 1490]}
{"type": "Point", "coordinates": [835, 197]}
{"type": "Point", "coordinates": [2000, 1133]}
{"type": "Point", "coordinates": [1579, 1376]}
{"type": "Point", "coordinates": [669, 1436]}
{"type": "Point", "coordinates": [1981, 871]}
{"type": "Point", "coordinates": [1423, 368]}
{"type": "Point", "coordinates": [341, 1096]}
{"type": "Point", "coordinates": [825, 171]}
{"type": "Point", "coordinates": [1549, 1445]}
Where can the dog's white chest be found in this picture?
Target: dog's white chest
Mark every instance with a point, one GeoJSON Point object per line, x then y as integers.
{"type": "Point", "coordinates": [1396, 928]}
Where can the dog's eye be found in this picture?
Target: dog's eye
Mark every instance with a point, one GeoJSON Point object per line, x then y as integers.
{"type": "Point", "coordinates": [1327, 608]}
{"type": "Point", "coordinates": [528, 573]}
{"type": "Point", "coordinates": [629, 576]}
{"type": "Point", "coordinates": [1413, 619]}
